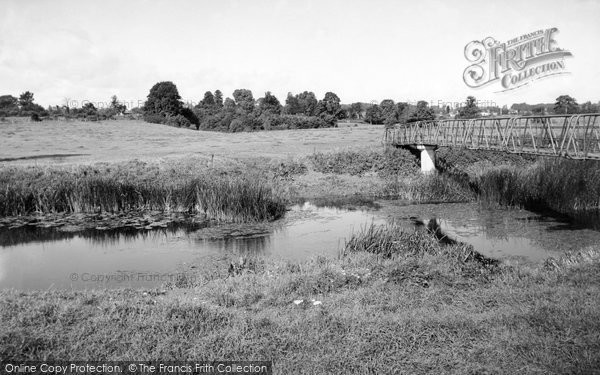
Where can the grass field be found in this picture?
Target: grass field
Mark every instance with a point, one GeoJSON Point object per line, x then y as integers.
{"type": "Point", "coordinates": [79, 141]}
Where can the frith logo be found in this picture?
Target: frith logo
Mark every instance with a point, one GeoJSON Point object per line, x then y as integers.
{"type": "Point", "coordinates": [514, 63]}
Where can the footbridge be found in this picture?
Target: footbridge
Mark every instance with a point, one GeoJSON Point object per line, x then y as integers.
{"type": "Point", "coordinates": [569, 136]}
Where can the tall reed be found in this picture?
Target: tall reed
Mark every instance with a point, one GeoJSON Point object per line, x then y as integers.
{"type": "Point", "coordinates": [121, 188]}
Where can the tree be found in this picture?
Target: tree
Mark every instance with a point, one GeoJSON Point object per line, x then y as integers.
{"type": "Point", "coordinates": [116, 106]}
{"type": "Point", "coordinates": [89, 109]}
{"type": "Point", "coordinates": [330, 105]}
{"type": "Point", "coordinates": [565, 105]}
{"type": "Point", "coordinates": [244, 100]}
{"type": "Point", "coordinates": [208, 101]}
{"type": "Point", "coordinates": [470, 110]}
{"type": "Point", "coordinates": [26, 100]}
{"type": "Point", "coordinates": [163, 100]}
{"type": "Point", "coordinates": [355, 111]}
{"type": "Point", "coordinates": [292, 105]}
{"type": "Point", "coordinates": [219, 99]}
{"type": "Point", "coordinates": [389, 111]}
{"type": "Point", "coordinates": [374, 115]}
{"type": "Point", "coordinates": [9, 105]}
{"type": "Point", "coordinates": [268, 105]}
{"type": "Point", "coordinates": [308, 103]}
{"type": "Point", "coordinates": [422, 112]}
{"type": "Point", "coordinates": [402, 109]}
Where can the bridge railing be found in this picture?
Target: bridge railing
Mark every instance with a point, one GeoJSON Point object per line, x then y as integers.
{"type": "Point", "coordinates": [574, 136]}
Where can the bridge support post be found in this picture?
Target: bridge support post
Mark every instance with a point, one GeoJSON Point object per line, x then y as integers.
{"type": "Point", "coordinates": [427, 158]}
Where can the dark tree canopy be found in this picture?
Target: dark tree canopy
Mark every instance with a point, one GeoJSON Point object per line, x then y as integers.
{"type": "Point", "coordinates": [470, 110]}
{"type": "Point", "coordinates": [26, 99]}
{"type": "Point", "coordinates": [244, 100]}
{"type": "Point", "coordinates": [565, 105]}
{"type": "Point", "coordinates": [269, 105]}
{"type": "Point", "coordinates": [374, 115]}
{"type": "Point", "coordinates": [422, 112]}
{"type": "Point", "coordinates": [219, 98]}
{"type": "Point", "coordinates": [163, 100]}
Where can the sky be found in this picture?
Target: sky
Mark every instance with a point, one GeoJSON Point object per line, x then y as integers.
{"type": "Point", "coordinates": [362, 50]}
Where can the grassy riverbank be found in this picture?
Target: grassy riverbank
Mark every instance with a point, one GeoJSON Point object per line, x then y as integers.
{"type": "Point", "coordinates": [407, 305]}
{"type": "Point", "coordinates": [570, 187]}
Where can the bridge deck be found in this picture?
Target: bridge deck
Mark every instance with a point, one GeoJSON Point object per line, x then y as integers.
{"type": "Point", "coordinates": [572, 136]}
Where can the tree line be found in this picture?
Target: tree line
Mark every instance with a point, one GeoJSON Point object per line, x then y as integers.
{"type": "Point", "coordinates": [241, 112]}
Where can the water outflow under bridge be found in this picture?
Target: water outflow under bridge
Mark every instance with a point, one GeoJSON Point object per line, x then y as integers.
{"type": "Point", "coordinates": [570, 136]}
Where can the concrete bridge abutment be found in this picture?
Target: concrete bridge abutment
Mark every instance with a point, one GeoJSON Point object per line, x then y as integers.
{"type": "Point", "coordinates": [427, 158]}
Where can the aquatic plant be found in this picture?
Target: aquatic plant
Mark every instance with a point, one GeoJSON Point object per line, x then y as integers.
{"type": "Point", "coordinates": [137, 186]}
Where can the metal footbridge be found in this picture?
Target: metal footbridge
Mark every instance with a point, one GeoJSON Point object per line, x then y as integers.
{"type": "Point", "coordinates": [570, 136]}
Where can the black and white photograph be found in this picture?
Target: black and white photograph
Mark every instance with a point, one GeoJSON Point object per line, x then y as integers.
{"type": "Point", "coordinates": [299, 187]}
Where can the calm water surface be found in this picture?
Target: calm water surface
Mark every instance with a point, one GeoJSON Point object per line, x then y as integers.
{"type": "Point", "coordinates": [45, 259]}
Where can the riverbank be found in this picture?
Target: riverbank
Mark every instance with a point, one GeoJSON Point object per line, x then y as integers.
{"type": "Point", "coordinates": [417, 307]}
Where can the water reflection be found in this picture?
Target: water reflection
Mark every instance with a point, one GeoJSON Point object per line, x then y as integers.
{"type": "Point", "coordinates": [39, 258]}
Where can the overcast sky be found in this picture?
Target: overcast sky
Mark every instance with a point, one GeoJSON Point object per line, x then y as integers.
{"type": "Point", "coordinates": [361, 50]}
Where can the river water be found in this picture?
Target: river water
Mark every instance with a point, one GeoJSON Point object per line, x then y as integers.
{"type": "Point", "coordinates": [34, 258]}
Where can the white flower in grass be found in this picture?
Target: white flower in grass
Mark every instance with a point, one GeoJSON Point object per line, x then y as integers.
{"type": "Point", "coordinates": [315, 303]}
{"type": "Point", "coordinates": [298, 301]}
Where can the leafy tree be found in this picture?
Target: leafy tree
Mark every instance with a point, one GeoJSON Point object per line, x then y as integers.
{"type": "Point", "coordinates": [330, 105]}
{"type": "Point", "coordinates": [208, 101]}
{"type": "Point", "coordinates": [565, 105]}
{"type": "Point", "coordinates": [229, 104]}
{"type": "Point", "coordinates": [116, 106]}
{"type": "Point", "coordinates": [9, 105]}
{"type": "Point", "coordinates": [89, 109]}
{"type": "Point", "coordinates": [163, 100]}
{"type": "Point", "coordinates": [292, 105]}
{"type": "Point", "coordinates": [470, 110]}
{"type": "Point", "coordinates": [244, 100]}
{"type": "Point", "coordinates": [269, 105]}
{"type": "Point", "coordinates": [219, 98]}
{"type": "Point", "coordinates": [374, 115]}
{"type": "Point", "coordinates": [389, 111]}
{"type": "Point", "coordinates": [26, 100]}
{"type": "Point", "coordinates": [308, 103]}
{"type": "Point", "coordinates": [355, 111]}
{"type": "Point", "coordinates": [189, 114]}
{"type": "Point", "coordinates": [402, 109]}
{"type": "Point", "coordinates": [589, 107]}
{"type": "Point", "coordinates": [422, 112]}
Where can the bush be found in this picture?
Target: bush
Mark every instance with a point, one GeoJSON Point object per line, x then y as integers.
{"type": "Point", "coordinates": [35, 117]}
{"type": "Point", "coordinates": [191, 117]}
{"type": "Point", "coordinates": [154, 118]}
{"type": "Point", "coordinates": [179, 121]}
{"type": "Point", "coordinates": [393, 162]}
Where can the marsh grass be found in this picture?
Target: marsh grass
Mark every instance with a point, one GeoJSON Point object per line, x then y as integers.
{"type": "Point", "coordinates": [567, 186]}
{"type": "Point", "coordinates": [235, 196]}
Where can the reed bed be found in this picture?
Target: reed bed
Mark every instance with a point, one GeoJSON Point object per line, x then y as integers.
{"type": "Point", "coordinates": [236, 197]}
{"type": "Point", "coordinates": [567, 186]}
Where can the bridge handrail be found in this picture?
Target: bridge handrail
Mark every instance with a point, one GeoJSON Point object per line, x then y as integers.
{"type": "Point", "coordinates": [569, 135]}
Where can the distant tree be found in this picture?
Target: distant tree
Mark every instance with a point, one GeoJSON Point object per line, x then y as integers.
{"type": "Point", "coordinates": [422, 112]}
{"type": "Point", "coordinates": [219, 99]}
{"type": "Point", "coordinates": [504, 110]}
{"type": "Point", "coordinates": [389, 111]}
{"type": "Point", "coordinates": [589, 107]}
{"type": "Point", "coordinates": [565, 105]}
{"type": "Point", "coordinates": [163, 100]}
{"type": "Point", "coordinates": [292, 105]}
{"type": "Point", "coordinates": [189, 114]}
{"type": "Point", "coordinates": [330, 105]}
{"type": "Point", "coordinates": [244, 100]}
{"type": "Point", "coordinates": [268, 105]}
{"type": "Point", "coordinates": [374, 115]}
{"type": "Point", "coordinates": [308, 103]}
{"type": "Point", "coordinates": [470, 110]}
{"type": "Point", "coordinates": [229, 104]}
{"type": "Point", "coordinates": [355, 111]}
{"type": "Point", "coordinates": [402, 109]}
{"type": "Point", "coordinates": [116, 106]}
{"type": "Point", "coordinates": [89, 109]}
{"type": "Point", "coordinates": [26, 100]}
{"type": "Point", "coordinates": [9, 105]}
